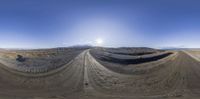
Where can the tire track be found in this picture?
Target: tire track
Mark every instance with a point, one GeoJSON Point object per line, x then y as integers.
{"type": "Point", "coordinates": [87, 85]}
{"type": "Point", "coordinates": [85, 76]}
{"type": "Point", "coordinates": [173, 79]}
{"type": "Point", "coordinates": [67, 80]}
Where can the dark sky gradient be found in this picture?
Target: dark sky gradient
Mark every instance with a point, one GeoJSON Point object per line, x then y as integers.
{"type": "Point", "coordinates": [55, 23]}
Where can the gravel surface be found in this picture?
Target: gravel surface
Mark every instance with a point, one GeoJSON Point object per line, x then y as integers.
{"type": "Point", "coordinates": [174, 77]}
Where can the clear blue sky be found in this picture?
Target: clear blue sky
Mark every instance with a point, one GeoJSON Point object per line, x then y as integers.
{"type": "Point", "coordinates": [55, 23]}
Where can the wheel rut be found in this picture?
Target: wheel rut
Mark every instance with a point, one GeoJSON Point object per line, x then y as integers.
{"type": "Point", "coordinates": [86, 82]}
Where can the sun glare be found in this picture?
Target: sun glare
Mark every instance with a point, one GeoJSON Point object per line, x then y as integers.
{"type": "Point", "coordinates": [99, 41]}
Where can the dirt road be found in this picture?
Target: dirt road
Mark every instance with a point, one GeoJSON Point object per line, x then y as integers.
{"type": "Point", "coordinates": [86, 78]}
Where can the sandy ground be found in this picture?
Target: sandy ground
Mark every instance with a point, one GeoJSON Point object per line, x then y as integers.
{"type": "Point", "coordinates": [194, 54]}
{"type": "Point", "coordinates": [175, 77]}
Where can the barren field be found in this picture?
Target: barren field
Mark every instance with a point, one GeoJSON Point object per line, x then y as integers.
{"type": "Point", "coordinates": [99, 73]}
{"type": "Point", "coordinates": [38, 61]}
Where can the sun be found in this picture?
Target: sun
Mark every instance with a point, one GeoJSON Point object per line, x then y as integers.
{"type": "Point", "coordinates": [99, 41]}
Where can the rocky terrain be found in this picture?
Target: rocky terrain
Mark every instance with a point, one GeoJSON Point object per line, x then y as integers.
{"type": "Point", "coordinates": [95, 74]}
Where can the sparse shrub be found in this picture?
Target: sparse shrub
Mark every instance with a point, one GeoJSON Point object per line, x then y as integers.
{"type": "Point", "coordinates": [20, 58]}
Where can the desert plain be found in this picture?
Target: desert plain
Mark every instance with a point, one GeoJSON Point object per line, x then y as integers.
{"type": "Point", "coordinates": [99, 73]}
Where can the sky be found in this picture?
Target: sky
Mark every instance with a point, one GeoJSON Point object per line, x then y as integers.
{"type": "Point", "coordinates": [109, 23]}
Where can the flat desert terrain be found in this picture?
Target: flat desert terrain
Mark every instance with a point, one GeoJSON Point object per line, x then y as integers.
{"type": "Point", "coordinates": [99, 73]}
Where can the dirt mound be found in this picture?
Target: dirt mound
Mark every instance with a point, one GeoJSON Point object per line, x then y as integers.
{"type": "Point", "coordinates": [127, 58]}
{"type": "Point", "coordinates": [131, 50]}
{"type": "Point", "coordinates": [124, 63]}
